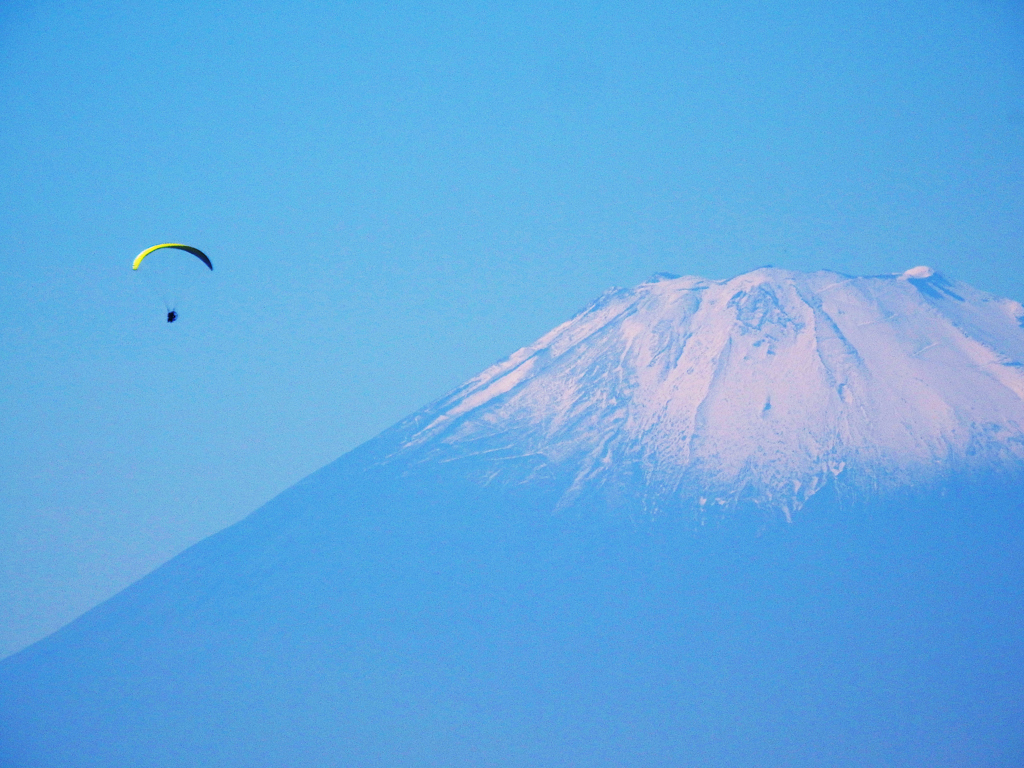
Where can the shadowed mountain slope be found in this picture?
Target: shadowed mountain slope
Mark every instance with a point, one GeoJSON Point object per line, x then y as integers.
{"type": "Point", "coordinates": [582, 557]}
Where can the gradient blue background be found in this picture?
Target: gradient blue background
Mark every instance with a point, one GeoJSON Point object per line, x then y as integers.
{"type": "Point", "coordinates": [397, 195]}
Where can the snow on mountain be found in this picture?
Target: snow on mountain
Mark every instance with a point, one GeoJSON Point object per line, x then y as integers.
{"type": "Point", "coordinates": [763, 389]}
{"type": "Point", "coordinates": [416, 603]}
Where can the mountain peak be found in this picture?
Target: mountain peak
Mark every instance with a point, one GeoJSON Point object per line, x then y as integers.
{"type": "Point", "coordinates": [760, 389]}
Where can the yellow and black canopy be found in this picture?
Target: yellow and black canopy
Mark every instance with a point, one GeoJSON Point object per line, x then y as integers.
{"type": "Point", "coordinates": [180, 246]}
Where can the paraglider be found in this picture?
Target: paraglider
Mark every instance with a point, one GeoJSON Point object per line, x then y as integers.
{"type": "Point", "coordinates": [171, 275]}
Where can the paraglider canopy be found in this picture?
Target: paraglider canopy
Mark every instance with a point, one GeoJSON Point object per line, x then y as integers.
{"type": "Point", "coordinates": [180, 246]}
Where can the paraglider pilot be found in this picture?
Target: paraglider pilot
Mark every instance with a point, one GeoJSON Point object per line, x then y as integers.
{"type": "Point", "coordinates": [172, 316]}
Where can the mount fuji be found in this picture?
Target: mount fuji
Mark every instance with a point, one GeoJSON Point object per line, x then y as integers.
{"type": "Point", "coordinates": [776, 520]}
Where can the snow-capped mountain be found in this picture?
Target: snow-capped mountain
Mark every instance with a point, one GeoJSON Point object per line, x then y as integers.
{"type": "Point", "coordinates": [762, 388]}
{"type": "Point", "coordinates": [475, 586]}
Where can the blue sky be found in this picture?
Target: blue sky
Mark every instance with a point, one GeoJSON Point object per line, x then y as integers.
{"type": "Point", "coordinates": [397, 195]}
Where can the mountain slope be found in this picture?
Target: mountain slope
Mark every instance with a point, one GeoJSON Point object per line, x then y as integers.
{"type": "Point", "coordinates": [511, 576]}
